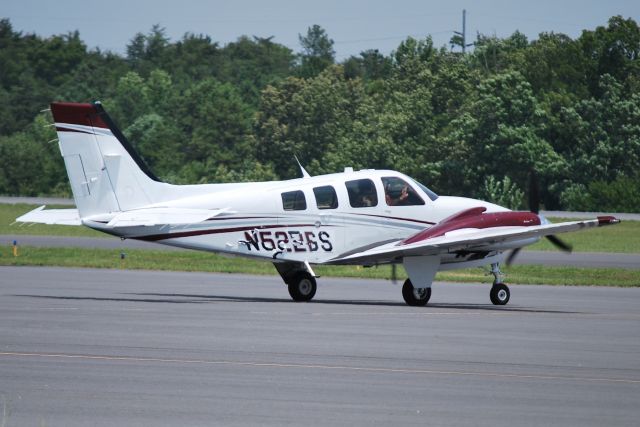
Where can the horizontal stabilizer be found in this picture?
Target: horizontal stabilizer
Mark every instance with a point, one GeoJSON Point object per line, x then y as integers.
{"type": "Point", "coordinates": [162, 216]}
{"type": "Point", "coordinates": [51, 216]}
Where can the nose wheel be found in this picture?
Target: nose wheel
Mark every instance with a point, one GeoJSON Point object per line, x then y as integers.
{"type": "Point", "coordinates": [499, 294]}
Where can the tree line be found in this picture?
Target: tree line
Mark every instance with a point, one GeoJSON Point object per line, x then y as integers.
{"type": "Point", "coordinates": [474, 124]}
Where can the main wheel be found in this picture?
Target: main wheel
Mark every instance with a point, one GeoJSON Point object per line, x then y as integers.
{"type": "Point", "coordinates": [302, 287]}
{"type": "Point", "coordinates": [415, 296]}
{"type": "Point", "coordinates": [499, 294]}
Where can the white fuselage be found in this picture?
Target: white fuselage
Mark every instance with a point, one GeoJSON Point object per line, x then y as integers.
{"type": "Point", "coordinates": [255, 223]}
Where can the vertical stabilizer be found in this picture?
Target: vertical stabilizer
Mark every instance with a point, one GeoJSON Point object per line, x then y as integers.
{"type": "Point", "coordinates": [105, 172]}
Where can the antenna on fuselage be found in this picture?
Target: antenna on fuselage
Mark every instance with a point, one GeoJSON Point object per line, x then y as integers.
{"type": "Point", "coordinates": [305, 174]}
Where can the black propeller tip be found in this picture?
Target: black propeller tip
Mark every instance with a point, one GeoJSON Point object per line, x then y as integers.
{"type": "Point", "coordinates": [512, 256]}
{"type": "Point", "coordinates": [560, 244]}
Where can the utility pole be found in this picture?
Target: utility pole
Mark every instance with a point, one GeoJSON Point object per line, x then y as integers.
{"type": "Point", "coordinates": [463, 34]}
{"type": "Point", "coordinates": [464, 30]}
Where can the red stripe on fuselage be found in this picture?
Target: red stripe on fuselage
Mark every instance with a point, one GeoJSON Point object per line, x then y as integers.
{"type": "Point", "coordinates": [156, 237]}
{"type": "Point", "coordinates": [398, 218]}
{"type": "Point", "coordinates": [241, 217]}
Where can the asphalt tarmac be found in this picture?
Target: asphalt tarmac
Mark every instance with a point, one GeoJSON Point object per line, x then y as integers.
{"type": "Point", "coordinates": [107, 347]}
{"type": "Point", "coordinates": [556, 258]}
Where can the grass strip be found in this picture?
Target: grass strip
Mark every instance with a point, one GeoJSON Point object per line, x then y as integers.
{"type": "Point", "coordinates": [206, 262]}
{"type": "Point", "coordinates": [619, 238]}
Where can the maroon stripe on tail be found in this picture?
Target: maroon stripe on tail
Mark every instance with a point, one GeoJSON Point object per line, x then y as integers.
{"type": "Point", "coordinates": [77, 114]}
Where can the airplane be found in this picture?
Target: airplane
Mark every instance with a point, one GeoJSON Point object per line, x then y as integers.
{"type": "Point", "coordinates": [366, 217]}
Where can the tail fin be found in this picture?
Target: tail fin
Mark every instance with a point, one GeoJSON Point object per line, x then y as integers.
{"type": "Point", "coordinates": [105, 172]}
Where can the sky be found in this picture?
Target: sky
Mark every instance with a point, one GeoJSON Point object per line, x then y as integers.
{"type": "Point", "coordinates": [354, 26]}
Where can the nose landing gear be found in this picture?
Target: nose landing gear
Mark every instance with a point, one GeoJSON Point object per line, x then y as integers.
{"type": "Point", "coordinates": [499, 293]}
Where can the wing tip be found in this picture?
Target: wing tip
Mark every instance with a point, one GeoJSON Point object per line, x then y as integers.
{"type": "Point", "coordinates": [607, 220]}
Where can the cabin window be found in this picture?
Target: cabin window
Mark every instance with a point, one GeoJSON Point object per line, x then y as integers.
{"type": "Point", "coordinates": [326, 197]}
{"type": "Point", "coordinates": [397, 192]}
{"type": "Point", "coordinates": [362, 193]}
{"type": "Point", "coordinates": [294, 201]}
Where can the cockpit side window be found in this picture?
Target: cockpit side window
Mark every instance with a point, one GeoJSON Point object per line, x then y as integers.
{"type": "Point", "coordinates": [362, 193]}
{"type": "Point", "coordinates": [397, 192]}
{"type": "Point", "coordinates": [294, 201]}
{"type": "Point", "coordinates": [433, 196]}
{"type": "Point", "coordinates": [326, 197]}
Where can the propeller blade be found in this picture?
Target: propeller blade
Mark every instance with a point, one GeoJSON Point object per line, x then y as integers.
{"type": "Point", "coordinates": [512, 256]}
{"type": "Point", "coordinates": [394, 273]}
{"type": "Point", "coordinates": [534, 193]}
{"type": "Point", "coordinates": [559, 243]}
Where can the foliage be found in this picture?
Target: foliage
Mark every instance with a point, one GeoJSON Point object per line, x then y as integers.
{"type": "Point", "coordinates": [619, 195]}
{"type": "Point", "coordinates": [504, 193]}
{"type": "Point", "coordinates": [472, 124]}
{"type": "Point", "coordinates": [317, 51]}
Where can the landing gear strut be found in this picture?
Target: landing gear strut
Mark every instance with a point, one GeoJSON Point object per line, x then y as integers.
{"type": "Point", "coordinates": [499, 293]}
{"type": "Point", "coordinates": [415, 296]}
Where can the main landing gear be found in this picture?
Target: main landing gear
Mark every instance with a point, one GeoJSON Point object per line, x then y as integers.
{"type": "Point", "coordinates": [499, 293]}
{"type": "Point", "coordinates": [415, 296]}
{"type": "Point", "coordinates": [299, 278]}
{"type": "Point", "coordinates": [302, 287]}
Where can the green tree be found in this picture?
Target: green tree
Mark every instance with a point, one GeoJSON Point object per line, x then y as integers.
{"type": "Point", "coordinates": [317, 51]}
{"type": "Point", "coordinates": [252, 64]}
{"type": "Point", "coordinates": [193, 58]}
{"type": "Point", "coordinates": [600, 137]}
{"type": "Point", "coordinates": [159, 142]}
{"type": "Point", "coordinates": [304, 117]}
{"type": "Point", "coordinates": [502, 192]}
{"type": "Point", "coordinates": [613, 50]}
{"type": "Point", "coordinates": [369, 65]}
{"type": "Point", "coordinates": [555, 64]}
{"type": "Point", "coordinates": [494, 55]}
{"type": "Point", "coordinates": [503, 133]}
{"type": "Point", "coordinates": [216, 122]}
{"type": "Point", "coordinates": [131, 100]}
{"type": "Point", "coordinates": [30, 161]}
{"type": "Point", "coordinates": [147, 51]}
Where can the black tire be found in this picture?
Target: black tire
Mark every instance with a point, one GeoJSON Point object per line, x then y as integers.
{"type": "Point", "coordinates": [302, 287]}
{"type": "Point", "coordinates": [499, 294]}
{"type": "Point", "coordinates": [415, 297]}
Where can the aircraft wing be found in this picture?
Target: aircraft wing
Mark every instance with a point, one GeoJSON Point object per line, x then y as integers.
{"type": "Point", "coordinates": [466, 240]}
{"type": "Point", "coordinates": [51, 216]}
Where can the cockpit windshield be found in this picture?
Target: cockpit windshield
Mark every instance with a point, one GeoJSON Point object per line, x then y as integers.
{"type": "Point", "coordinates": [433, 196]}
